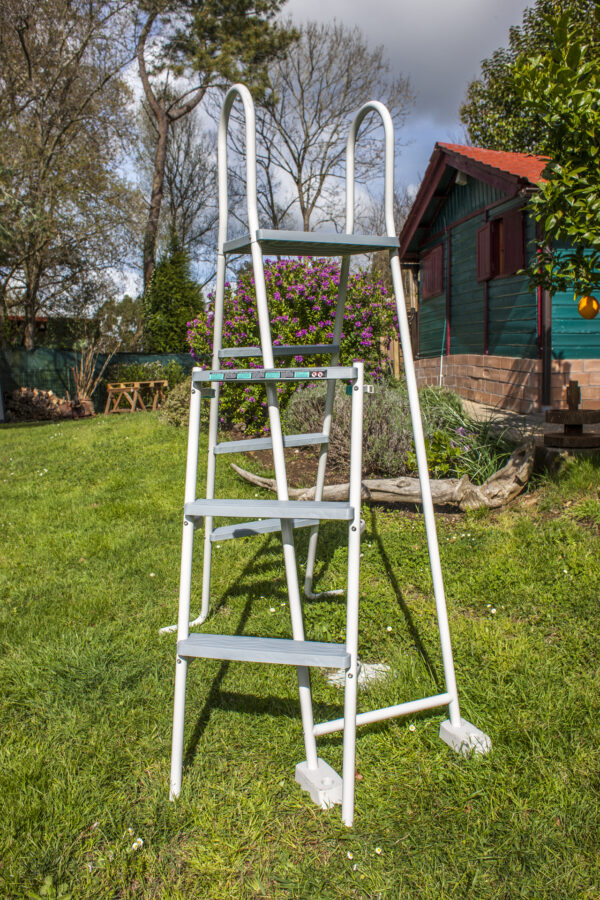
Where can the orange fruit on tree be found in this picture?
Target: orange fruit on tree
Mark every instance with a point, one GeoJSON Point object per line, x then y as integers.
{"type": "Point", "coordinates": [588, 307]}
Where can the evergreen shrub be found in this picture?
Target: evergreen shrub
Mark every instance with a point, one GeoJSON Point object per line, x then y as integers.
{"type": "Point", "coordinates": [302, 296]}
{"type": "Point", "coordinates": [173, 299]}
{"type": "Point", "coordinates": [176, 408]}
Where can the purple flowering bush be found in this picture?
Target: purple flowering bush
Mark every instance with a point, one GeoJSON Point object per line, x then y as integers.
{"type": "Point", "coordinates": [302, 296]}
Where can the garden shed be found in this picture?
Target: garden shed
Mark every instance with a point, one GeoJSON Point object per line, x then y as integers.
{"type": "Point", "coordinates": [483, 331]}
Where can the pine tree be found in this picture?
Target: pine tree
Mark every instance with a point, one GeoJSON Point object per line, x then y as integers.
{"type": "Point", "coordinates": [172, 300]}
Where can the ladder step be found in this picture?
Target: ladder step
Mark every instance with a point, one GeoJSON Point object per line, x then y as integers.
{"type": "Point", "coordinates": [310, 373]}
{"type": "Point", "coordinates": [311, 243]}
{"type": "Point", "coordinates": [289, 440]}
{"type": "Point", "coordinates": [279, 350]}
{"type": "Point", "coordinates": [247, 529]}
{"type": "Point", "coordinates": [265, 650]}
{"type": "Point", "coordinates": [270, 509]}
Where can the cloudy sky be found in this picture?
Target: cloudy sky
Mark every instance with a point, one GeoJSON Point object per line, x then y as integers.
{"type": "Point", "coordinates": [438, 43]}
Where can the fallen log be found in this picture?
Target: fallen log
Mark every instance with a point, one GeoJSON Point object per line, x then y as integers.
{"type": "Point", "coordinates": [502, 487]}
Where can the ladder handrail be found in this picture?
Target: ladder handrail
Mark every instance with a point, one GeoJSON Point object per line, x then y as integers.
{"type": "Point", "coordinates": [241, 91]}
{"type": "Point", "coordinates": [388, 190]}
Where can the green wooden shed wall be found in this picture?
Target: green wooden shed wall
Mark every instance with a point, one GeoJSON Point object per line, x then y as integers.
{"type": "Point", "coordinates": [512, 306]}
{"type": "Point", "coordinates": [504, 343]}
{"type": "Point", "coordinates": [502, 316]}
{"type": "Point", "coordinates": [572, 336]}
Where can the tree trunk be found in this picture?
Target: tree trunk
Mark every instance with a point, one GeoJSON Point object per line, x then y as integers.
{"type": "Point", "coordinates": [32, 281]}
{"type": "Point", "coordinates": [3, 322]}
{"type": "Point", "coordinates": [151, 232]}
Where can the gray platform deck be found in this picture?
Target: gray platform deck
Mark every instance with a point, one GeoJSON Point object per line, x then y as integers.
{"type": "Point", "coordinates": [311, 243]}
{"type": "Point", "coordinates": [298, 374]}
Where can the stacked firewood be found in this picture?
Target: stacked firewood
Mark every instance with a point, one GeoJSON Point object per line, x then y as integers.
{"type": "Point", "coordinates": [27, 404]}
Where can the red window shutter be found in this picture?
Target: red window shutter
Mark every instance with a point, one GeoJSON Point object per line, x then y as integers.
{"type": "Point", "coordinates": [514, 242]}
{"type": "Point", "coordinates": [432, 267]}
{"type": "Point", "coordinates": [485, 255]}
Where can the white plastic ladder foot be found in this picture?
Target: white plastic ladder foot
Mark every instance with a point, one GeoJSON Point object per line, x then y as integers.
{"type": "Point", "coordinates": [465, 738]}
{"type": "Point", "coordinates": [323, 783]}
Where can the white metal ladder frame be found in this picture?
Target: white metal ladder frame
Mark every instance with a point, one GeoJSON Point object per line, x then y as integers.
{"type": "Point", "coordinates": [458, 733]}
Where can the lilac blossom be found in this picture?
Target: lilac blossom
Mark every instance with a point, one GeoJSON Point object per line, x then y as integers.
{"type": "Point", "coordinates": [302, 296]}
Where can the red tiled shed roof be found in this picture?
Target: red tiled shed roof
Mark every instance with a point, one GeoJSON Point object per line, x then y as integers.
{"type": "Point", "coordinates": [509, 173]}
{"type": "Point", "coordinates": [520, 164]}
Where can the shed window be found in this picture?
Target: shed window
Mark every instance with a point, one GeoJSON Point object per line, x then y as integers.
{"type": "Point", "coordinates": [501, 246]}
{"type": "Point", "coordinates": [432, 267]}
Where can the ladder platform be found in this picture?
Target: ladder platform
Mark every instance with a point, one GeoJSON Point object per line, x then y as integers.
{"type": "Point", "coordinates": [311, 243]}
{"type": "Point", "coordinates": [271, 509]}
{"type": "Point", "coordinates": [310, 373]}
{"type": "Point", "coordinates": [279, 350]}
{"type": "Point", "coordinates": [247, 529]}
{"type": "Point", "coordinates": [289, 440]}
{"type": "Point", "coordinates": [265, 650]}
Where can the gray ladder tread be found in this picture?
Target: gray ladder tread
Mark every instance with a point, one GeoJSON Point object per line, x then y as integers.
{"type": "Point", "coordinates": [265, 650]}
{"type": "Point", "coordinates": [311, 243]}
{"type": "Point", "coordinates": [279, 350]}
{"type": "Point", "coordinates": [271, 509]}
{"type": "Point", "coordinates": [298, 374]}
{"type": "Point", "coordinates": [247, 529]}
{"type": "Point", "coordinates": [289, 440]}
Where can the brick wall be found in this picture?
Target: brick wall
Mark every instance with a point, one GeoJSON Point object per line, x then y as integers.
{"type": "Point", "coordinates": [510, 383]}
{"type": "Point", "coordinates": [586, 372]}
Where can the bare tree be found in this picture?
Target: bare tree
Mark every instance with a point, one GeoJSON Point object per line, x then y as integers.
{"type": "Point", "coordinates": [374, 217]}
{"type": "Point", "coordinates": [62, 105]}
{"type": "Point", "coordinates": [194, 45]}
{"type": "Point", "coordinates": [303, 125]}
{"type": "Point", "coordinates": [190, 190]}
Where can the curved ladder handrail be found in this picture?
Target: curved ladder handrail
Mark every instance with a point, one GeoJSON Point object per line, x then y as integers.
{"type": "Point", "coordinates": [388, 190]}
{"type": "Point", "coordinates": [241, 91]}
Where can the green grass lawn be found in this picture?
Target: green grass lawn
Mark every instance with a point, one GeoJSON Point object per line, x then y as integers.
{"type": "Point", "coordinates": [90, 527]}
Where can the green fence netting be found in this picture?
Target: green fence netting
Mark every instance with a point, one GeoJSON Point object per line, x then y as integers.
{"type": "Point", "coordinates": [51, 370]}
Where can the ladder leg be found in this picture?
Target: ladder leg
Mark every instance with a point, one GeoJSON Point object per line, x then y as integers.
{"type": "Point", "coordinates": [185, 589]}
{"type": "Point", "coordinates": [329, 401]}
{"type": "Point", "coordinates": [178, 725]}
{"type": "Point", "coordinates": [351, 682]}
{"type": "Point", "coordinates": [430, 529]}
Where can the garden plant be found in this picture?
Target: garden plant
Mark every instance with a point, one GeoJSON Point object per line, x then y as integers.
{"type": "Point", "coordinates": [457, 444]}
{"type": "Point", "coordinates": [302, 297]}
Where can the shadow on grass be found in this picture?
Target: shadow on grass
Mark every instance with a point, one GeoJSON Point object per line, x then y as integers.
{"type": "Point", "coordinates": [272, 705]}
{"type": "Point", "coordinates": [410, 622]}
{"type": "Point", "coordinates": [219, 699]}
